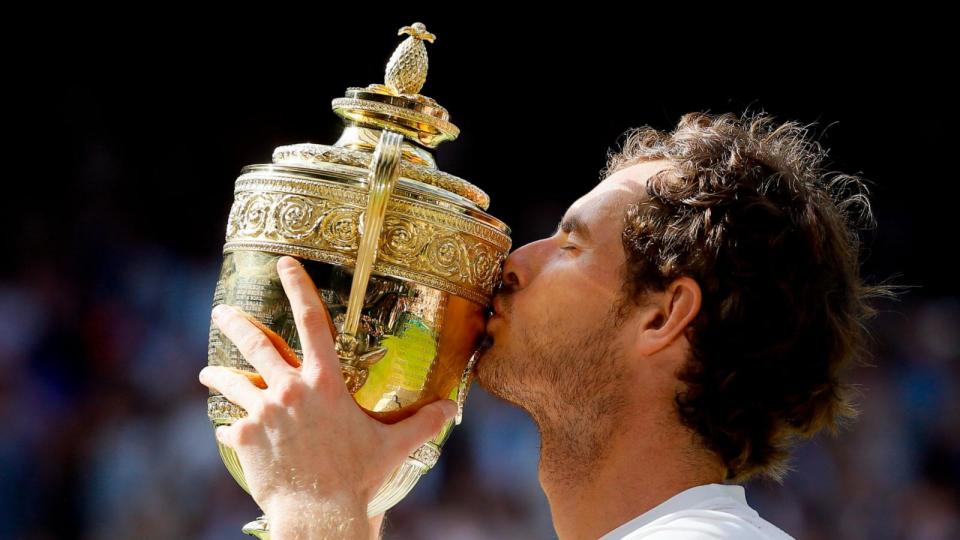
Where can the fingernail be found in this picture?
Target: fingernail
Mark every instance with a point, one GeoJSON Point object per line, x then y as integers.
{"type": "Point", "coordinates": [286, 262]}
{"type": "Point", "coordinates": [219, 310]}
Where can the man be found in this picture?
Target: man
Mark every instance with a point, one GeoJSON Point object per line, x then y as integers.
{"type": "Point", "coordinates": [688, 320]}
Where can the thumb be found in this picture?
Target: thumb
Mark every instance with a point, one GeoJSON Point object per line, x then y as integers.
{"type": "Point", "coordinates": [411, 432]}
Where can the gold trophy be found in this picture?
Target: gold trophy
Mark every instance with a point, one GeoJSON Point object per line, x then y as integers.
{"type": "Point", "coordinates": [403, 254]}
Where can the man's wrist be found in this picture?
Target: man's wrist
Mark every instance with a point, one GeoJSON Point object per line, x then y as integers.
{"type": "Point", "coordinates": [306, 518]}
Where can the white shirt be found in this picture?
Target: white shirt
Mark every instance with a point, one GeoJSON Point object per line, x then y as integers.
{"type": "Point", "coordinates": [707, 512]}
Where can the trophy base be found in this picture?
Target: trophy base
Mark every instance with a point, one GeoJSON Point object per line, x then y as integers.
{"type": "Point", "coordinates": [258, 528]}
{"type": "Point", "coordinates": [401, 481]}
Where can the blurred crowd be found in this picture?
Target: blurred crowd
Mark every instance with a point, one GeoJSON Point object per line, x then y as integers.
{"type": "Point", "coordinates": [106, 434]}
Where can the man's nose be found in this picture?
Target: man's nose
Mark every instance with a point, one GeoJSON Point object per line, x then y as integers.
{"type": "Point", "coordinates": [520, 266]}
{"type": "Point", "coordinates": [510, 279]}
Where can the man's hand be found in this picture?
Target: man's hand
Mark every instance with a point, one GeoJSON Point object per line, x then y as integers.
{"type": "Point", "coordinates": [311, 457]}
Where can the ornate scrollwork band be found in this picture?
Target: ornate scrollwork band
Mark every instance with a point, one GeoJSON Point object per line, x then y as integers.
{"type": "Point", "coordinates": [322, 221]}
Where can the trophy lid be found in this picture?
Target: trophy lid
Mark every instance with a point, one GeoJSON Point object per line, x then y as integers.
{"type": "Point", "coordinates": [398, 106]}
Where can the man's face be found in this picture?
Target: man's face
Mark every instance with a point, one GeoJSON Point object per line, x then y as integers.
{"type": "Point", "coordinates": [555, 343]}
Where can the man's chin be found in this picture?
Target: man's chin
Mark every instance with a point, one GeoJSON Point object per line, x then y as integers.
{"type": "Point", "coordinates": [483, 371]}
{"type": "Point", "coordinates": [493, 374]}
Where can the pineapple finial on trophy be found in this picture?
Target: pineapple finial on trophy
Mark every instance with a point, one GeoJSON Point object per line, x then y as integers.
{"type": "Point", "coordinates": [407, 68]}
{"type": "Point", "coordinates": [397, 104]}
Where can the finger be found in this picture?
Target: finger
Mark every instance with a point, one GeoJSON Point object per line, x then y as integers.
{"type": "Point", "coordinates": [234, 434]}
{"type": "Point", "coordinates": [234, 386]}
{"type": "Point", "coordinates": [225, 436]}
{"type": "Point", "coordinates": [412, 432]}
{"type": "Point", "coordinates": [252, 343]}
{"type": "Point", "coordinates": [285, 350]}
{"type": "Point", "coordinates": [314, 325]}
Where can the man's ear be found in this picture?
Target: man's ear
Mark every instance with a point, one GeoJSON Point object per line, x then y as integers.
{"type": "Point", "coordinates": [667, 314]}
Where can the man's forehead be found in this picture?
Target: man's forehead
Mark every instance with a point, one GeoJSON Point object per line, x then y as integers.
{"type": "Point", "coordinates": [639, 172]}
{"type": "Point", "coordinates": [620, 188]}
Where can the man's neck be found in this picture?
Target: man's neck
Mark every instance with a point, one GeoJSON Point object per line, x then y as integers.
{"type": "Point", "coordinates": [637, 470]}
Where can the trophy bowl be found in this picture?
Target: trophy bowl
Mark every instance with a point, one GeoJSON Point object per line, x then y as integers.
{"type": "Point", "coordinates": [403, 254]}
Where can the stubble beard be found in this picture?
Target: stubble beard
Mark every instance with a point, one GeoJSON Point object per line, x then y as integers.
{"type": "Point", "coordinates": [571, 384]}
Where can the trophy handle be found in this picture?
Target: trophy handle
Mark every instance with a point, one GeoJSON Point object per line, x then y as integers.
{"type": "Point", "coordinates": [384, 170]}
{"type": "Point", "coordinates": [465, 379]}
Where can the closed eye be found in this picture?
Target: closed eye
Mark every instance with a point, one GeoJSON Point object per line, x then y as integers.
{"type": "Point", "coordinates": [569, 247]}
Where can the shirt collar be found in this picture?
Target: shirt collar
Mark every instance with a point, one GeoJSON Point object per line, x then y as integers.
{"type": "Point", "coordinates": [688, 498]}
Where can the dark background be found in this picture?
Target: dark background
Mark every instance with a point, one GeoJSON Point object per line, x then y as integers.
{"type": "Point", "coordinates": [128, 130]}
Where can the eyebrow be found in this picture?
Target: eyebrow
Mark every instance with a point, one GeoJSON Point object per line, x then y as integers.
{"type": "Point", "coordinates": [573, 223]}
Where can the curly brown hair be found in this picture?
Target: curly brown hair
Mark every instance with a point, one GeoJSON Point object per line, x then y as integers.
{"type": "Point", "coordinates": [749, 213]}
